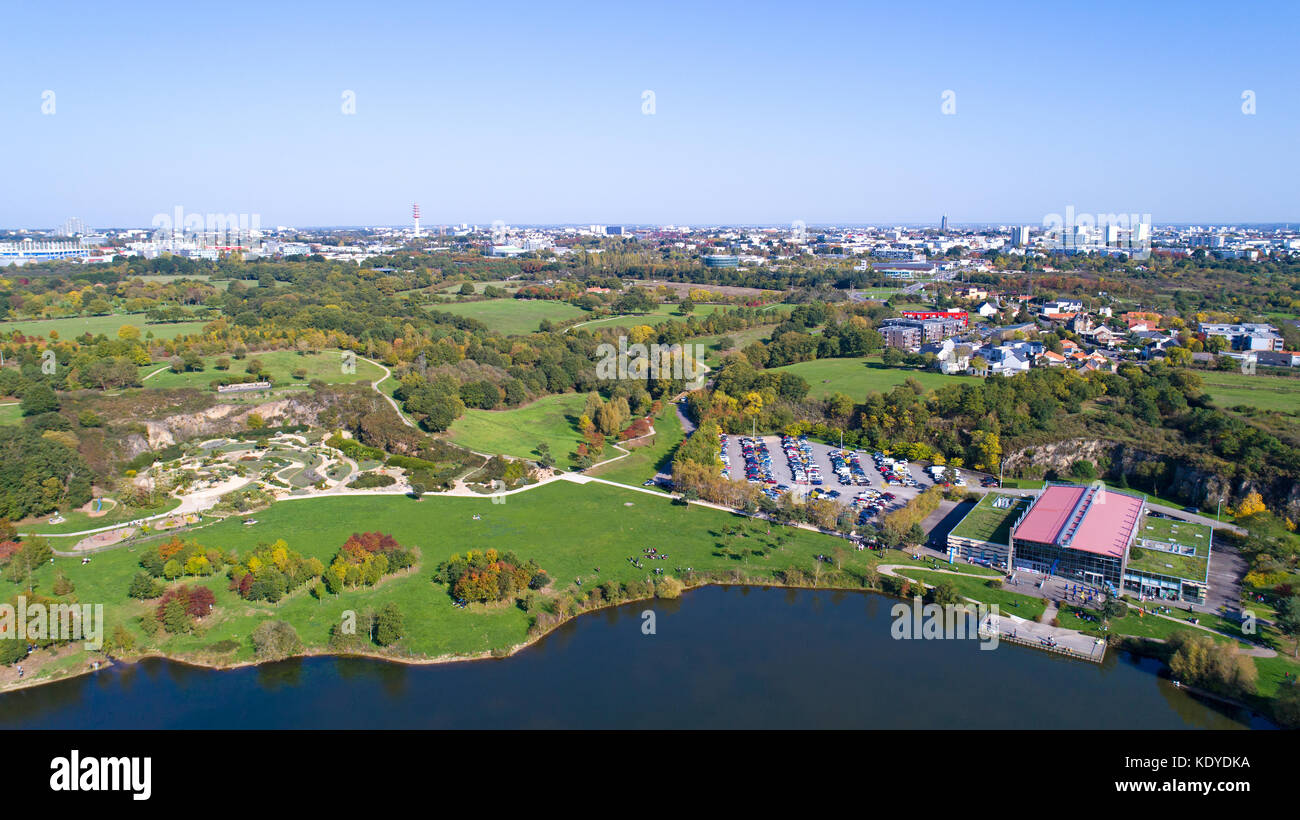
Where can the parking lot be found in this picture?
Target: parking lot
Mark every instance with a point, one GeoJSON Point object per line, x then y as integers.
{"type": "Point", "coordinates": [819, 455]}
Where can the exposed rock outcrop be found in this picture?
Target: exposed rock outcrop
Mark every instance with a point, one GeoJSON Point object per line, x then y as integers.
{"type": "Point", "coordinates": [1202, 484]}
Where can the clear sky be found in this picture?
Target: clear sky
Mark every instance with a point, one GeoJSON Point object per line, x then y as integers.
{"type": "Point", "coordinates": [531, 112]}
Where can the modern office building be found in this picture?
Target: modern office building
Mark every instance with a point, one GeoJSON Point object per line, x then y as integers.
{"type": "Point", "coordinates": [718, 261]}
{"type": "Point", "coordinates": [1078, 532]}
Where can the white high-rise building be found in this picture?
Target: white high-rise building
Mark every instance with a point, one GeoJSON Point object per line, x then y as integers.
{"type": "Point", "coordinates": [73, 226]}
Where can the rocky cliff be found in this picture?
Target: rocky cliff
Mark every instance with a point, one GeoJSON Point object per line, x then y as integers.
{"type": "Point", "coordinates": [1202, 483]}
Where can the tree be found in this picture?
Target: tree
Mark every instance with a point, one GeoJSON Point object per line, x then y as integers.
{"type": "Point", "coordinates": [1253, 503]}
{"type": "Point", "coordinates": [39, 398]}
{"type": "Point", "coordinates": [1288, 620]}
{"type": "Point", "coordinates": [12, 651]}
{"type": "Point", "coordinates": [1084, 470]}
{"type": "Point", "coordinates": [544, 456]}
{"type": "Point", "coordinates": [273, 640]}
{"type": "Point", "coordinates": [176, 619]}
{"type": "Point", "coordinates": [143, 587]}
{"type": "Point", "coordinates": [944, 594]}
{"type": "Point", "coordinates": [33, 554]}
{"type": "Point", "coordinates": [389, 625]}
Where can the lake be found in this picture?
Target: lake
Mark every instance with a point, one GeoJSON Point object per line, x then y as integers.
{"type": "Point", "coordinates": [721, 657]}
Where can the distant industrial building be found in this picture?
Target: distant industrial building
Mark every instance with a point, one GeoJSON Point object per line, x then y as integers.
{"type": "Point", "coordinates": [1247, 336]}
{"type": "Point", "coordinates": [26, 251]}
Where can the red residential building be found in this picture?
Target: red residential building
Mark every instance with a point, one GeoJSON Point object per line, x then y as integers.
{"type": "Point", "coordinates": [958, 315]}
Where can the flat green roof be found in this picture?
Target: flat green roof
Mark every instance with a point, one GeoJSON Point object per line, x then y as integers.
{"type": "Point", "coordinates": [1177, 532]}
{"type": "Point", "coordinates": [986, 522]}
{"type": "Point", "coordinates": [1173, 565]}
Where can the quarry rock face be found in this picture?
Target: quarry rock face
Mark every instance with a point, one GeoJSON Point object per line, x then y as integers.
{"type": "Point", "coordinates": [1202, 484]}
{"type": "Point", "coordinates": [220, 419]}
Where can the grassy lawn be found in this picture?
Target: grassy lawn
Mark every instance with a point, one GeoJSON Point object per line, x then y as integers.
{"type": "Point", "coordinates": [479, 287]}
{"type": "Point", "coordinates": [108, 325]}
{"type": "Point", "coordinates": [76, 521]}
{"type": "Point", "coordinates": [880, 294]}
{"type": "Point", "coordinates": [1274, 393]}
{"type": "Point", "coordinates": [10, 413]}
{"type": "Point", "coordinates": [976, 586]}
{"type": "Point", "coordinates": [644, 462]}
{"type": "Point", "coordinates": [741, 338]}
{"type": "Point", "coordinates": [512, 316]}
{"type": "Point", "coordinates": [571, 530]}
{"type": "Point", "coordinates": [986, 522]}
{"type": "Point", "coordinates": [858, 377]}
{"type": "Point", "coordinates": [325, 365]}
{"type": "Point", "coordinates": [552, 419]}
{"type": "Point", "coordinates": [661, 313]}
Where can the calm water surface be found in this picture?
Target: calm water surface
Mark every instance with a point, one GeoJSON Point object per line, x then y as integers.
{"type": "Point", "coordinates": [731, 657]}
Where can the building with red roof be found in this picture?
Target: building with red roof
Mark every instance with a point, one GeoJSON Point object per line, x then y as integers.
{"type": "Point", "coordinates": [1077, 531]}
{"type": "Point", "coordinates": [953, 315]}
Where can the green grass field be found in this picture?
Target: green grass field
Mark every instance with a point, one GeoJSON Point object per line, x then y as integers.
{"type": "Point", "coordinates": [974, 586]}
{"type": "Point", "coordinates": [108, 325]}
{"type": "Point", "coordinates": [77, 521]}
{"type": "Point", "coordinates": [10, 413]}
{"type": "Point", "coordinates": [512, 316]}
{"type": "Point", "coordinates": [988, 523]}
{"type": "Point", "coordinates": [517, 432]}
{"type": "Point", "coordinates": [479, 287]}
{"type": "Point", "coordinates": [661, 313]}
{"type": "Point", "coordinates": [571, 530]}
{"type": "Point", "coordinates": [742, 339]}
{"type": "Point", "coordinates": [644, 462]}
{"type": "Point", "coordinates": [880, 294]}
{"type": "Point", "coordinates": [858, 377]}
{"type": "Point", "coordinates": [325, 365]}
{"type": "Point", "coordinates": [1230, 388]}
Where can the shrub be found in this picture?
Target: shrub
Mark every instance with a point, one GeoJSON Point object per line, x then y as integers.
{"type": "Point", "coordinates": [389, 625]}
{"type": "Point", "coordinates": [668, 587]}
{"type": "Point", "coordinates": [367, 481]}
{"type": "Point", "coordinates": [273, 640]}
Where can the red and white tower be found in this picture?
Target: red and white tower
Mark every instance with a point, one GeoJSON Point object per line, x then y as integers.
{"type": "Point", "coordinates": [415, 214]}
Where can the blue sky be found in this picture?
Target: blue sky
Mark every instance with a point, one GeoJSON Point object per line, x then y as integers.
{"type": "Point", "coordinates": [764, 113]}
